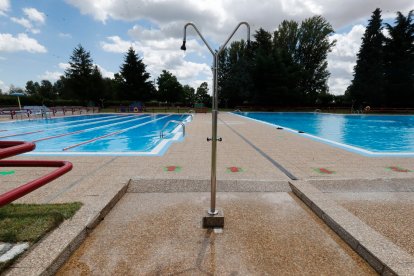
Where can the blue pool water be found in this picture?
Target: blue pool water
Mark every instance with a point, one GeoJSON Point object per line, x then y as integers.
{"type": "Point", "coordinates": [129, 134]}
{"type": "Point", "coordinates": [366, 134]}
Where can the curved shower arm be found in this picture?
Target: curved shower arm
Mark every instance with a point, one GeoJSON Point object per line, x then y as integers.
{"type": "Point", "coordinates": [235, 30]}
{"type": "Point", "coordinates": [198, 32]}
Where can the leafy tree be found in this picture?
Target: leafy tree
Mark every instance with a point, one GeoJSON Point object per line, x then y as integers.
{"type": "Point", "coordinates": [312, 52]}
{"type": "Point", "coordinates": [46, 90]}
{"type": "Point", "coordinates": [78, 75]}
{"type": "Point", "coordinates": [32, 88]}
{"type": "Point", "coordinates": [286, 49]}
{"type": "Point", "coordinates": [59, 86]}
{"type": "Point", "coordinates": [399, 61]}
{"type": "Point", "coordinates": [286, 38]}
{"type": "Point", "coordinates": [202, 95]}
{"type": "Point", "coordinates": [272, 72]}
{"type": "Point", "coordinates": [235, 82]}
{"type": "Point", "coordinates": [189, 95]}
{"type": "Point", "coordinates": [134, 80]}
{"type": "Point", "coordinates": [367, 85]}
{"type": "Point", "coordinates": [169, 89]}
{"type": "Point", "coordinates": [14, 89]}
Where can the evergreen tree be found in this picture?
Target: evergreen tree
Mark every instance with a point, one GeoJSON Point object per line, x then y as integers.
{"type": "Point", "coordinates": [367, 86]}
{"type": "Point", "coordinates": [78, 75]}
{"type": "Point", "coordinates": [235, 83]}
{"type": "Point", "coordinates": [134, 80]}
{"type": "Point", "coordinates": [169, 89]}
{"type": "Point", "coordinates": [263, 69]}
{"type": "Point", "coordinates": [97, 85]}
{"type": "Point", "coordinates": [399, 61]}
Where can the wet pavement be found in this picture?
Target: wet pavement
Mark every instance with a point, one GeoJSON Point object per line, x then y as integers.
{"type": "Point", "coordinates": [264, 234]}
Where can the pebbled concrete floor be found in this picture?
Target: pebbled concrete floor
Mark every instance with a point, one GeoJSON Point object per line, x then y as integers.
{"type": "Point", "coordinates": [265, 234]}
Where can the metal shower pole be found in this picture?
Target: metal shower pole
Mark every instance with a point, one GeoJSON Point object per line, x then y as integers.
{"type": "Point", "coordinates": [214, 138]}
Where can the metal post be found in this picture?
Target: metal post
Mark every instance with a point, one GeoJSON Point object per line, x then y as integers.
{"type": "Point", "coordinates": [213, 211]}
{"type": "Point", "coordinates": [214, 112]}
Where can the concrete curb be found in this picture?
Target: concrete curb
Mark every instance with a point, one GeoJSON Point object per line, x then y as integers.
{"type": "Point", "coordinates": [49, 254]}
{"type": "Point", "coordinates": [363, 185]}
{"type": "Point", "coordinates": [383, 255]}
{"type": "Point", "coordinates": [203, 185]}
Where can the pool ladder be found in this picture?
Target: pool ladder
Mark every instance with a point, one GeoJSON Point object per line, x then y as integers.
{"type": "Point", "coordinates": [172, 121]}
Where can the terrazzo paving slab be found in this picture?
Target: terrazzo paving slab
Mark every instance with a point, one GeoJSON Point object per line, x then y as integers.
{"type": "Point", "coordinates": [301, 155]}
{"type": "Point", "coordinates": [389, 213]}
{"type": "Point", "coordinates": [383, 254]}
{"type": "Point", "coordinates": [264, 234]}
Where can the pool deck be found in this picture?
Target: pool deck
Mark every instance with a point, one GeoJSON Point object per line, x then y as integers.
{"type": "Point", "coordinates": [367, 201]}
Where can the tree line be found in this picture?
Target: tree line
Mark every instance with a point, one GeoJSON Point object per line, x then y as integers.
{"type": "Point", "coordinates": [83, 81]}
{"type": "Point", "coordinates": [384, 72]}
{"type": "Point", "coordinates": [287, 67]}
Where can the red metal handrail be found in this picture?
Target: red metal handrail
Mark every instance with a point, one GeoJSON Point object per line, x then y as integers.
{"type": "Point", "coordinates": [13, 148]}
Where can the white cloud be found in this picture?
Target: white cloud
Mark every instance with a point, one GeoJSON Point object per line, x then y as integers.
{"type": "Point", "coordinates": [31, 22]}
{"type": "Point", "coordinates": [63, 66]}
{"type": "Point", "coordinates": [342, 59]}
{"type": "Point", "coordinates": [222, 15]}
{"type": "Point", "coordinates": [23, 22]}
{"type": "Point", "coordinates": [216, 19]}
{"type": "Point", "coordinates": [117, 45]}
{"type": "Point", "coordinates": [51, 76]}
{"type": "Point", "coordinates": [3, 86]}
{"type": "Point", "coordinates": [35, 15]}
{"type": "Point", "coordinates": [347, 44]}
{"type": "Point", "coordinates": [55, 75]}
{"type": "Point", "coordinates": [338, 85]}
{"type": "Point", "coordinates": [105, 73]}
{"type": "Point", "coordinates": [21, 42]}
{"type": "Point", "coordinates": [65, 35]}
{"type": "Point", "coordinates": [4, 6]}
{"type": "Point", "coordinates": [162, 54]}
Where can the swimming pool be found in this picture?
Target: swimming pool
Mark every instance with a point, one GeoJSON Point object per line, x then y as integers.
{"type": "Point", "coordinates": [99, 134]}
{"type": "Point", "coordinates": [370, 135]}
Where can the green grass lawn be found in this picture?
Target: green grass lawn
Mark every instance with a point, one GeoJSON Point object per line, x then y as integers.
{"type": "Point", "coordinates": [30, 222]}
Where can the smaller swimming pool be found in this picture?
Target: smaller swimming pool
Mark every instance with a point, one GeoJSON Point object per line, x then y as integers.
{"type": "Point", "coordinates": [369, 135]}
{"type": "Point", "coordinates": [99, 134]}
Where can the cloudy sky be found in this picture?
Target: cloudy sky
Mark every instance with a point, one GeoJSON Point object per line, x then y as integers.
{"type": "Point", "coordinates": [38, 37]}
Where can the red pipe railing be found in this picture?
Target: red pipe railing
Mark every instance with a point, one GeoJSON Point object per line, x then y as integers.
{"type": "Point", "coordinates": [13, 148]}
